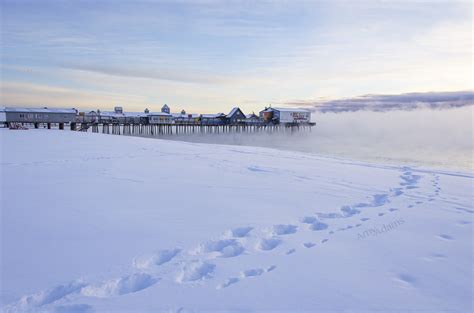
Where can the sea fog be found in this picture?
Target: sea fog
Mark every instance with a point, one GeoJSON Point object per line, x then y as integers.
{"type": "Point", "coordinates": [441, 138]}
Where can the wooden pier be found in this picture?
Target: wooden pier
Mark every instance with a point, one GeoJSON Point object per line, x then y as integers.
{"type": "Point", "coordinates": [158, 123]}
{"type": "Point", "coordinates": [186, 129]}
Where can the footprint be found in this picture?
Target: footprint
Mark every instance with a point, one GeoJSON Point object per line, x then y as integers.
{"type": "Point", "coordinates": [258, 169]}
{"type": "Point", "coordinates": [194, 271]}
{"type": "Point", "coordinates": [147, 261]}
{"type": "Point", "coordinates": [381, 214]}
{"type": "Point", "coordinates": [405, 279]}
{"type": "Point", "coordinates": [324, 240]}
{"type": "Point", "coordinates": [120, 286]}
{"type": "Point", "coordinates": [328, 215]}
{"type": "Point", "coordinates": [392, 210]}
{"type": "Point", "coordinates": [308, 219]}
{"type": "Point", "coordinates": [228, 282]}
{"type": "Point", "coordinates": [239, 232]}
{"type": "Point", "coordinates": [226, 248]}
{"type": "Point", "coordinates": [318, 226]}
{"type": "Point", "coordinates": [290, 251]}
{"type": "Point", "coordinates": [309, 244]}
{"type": "Point", "coordinates": [315, 224]}
{"type": "Point", "coordinates": [379, 200]}
{"type": "Point", "coordinates": [358, 225]}
{"type": "Point", "coordinates": [361, 205]}
{"type": "Point", "coordinates": [364, 219]}
{"type": "Point", "coordinates": [445, 237]}
{"type": "Point", "coordinates": [348, 211]}
{"type": "Point", "coordinates": [397, 192]}
{"type": "Point", "coordinates": [284, 229]}
{"type": "Point", "coordinates": [267, 244]}
{"type": "Point", "coordinates": [409, 179]}
{"type": "Point", "coordinates": [252, 272]}
{"type": "Point", "coordinates": [51, 295]}
{"type": "Point", "coordinates": [74, 308]}
{"type": "Point", "coordinates": [438, 256]}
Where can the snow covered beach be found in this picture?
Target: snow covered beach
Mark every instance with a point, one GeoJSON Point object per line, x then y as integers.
{"type": "Point", "coordinates": [102, 223]}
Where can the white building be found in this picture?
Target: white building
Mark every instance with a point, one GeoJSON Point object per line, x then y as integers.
{"type": "Point", "coordinates": [286, 115]}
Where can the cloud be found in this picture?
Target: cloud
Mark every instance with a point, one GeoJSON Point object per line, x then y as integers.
{"type": "Point", "coordinates": [31, 94]}
{"type": "Point", "coordinates": [381, 103]}
{"type": "Point", "coordinates": [137, 71]}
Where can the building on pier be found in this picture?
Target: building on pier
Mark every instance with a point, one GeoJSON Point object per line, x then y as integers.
{"type": "Point", "coordinates": [285, 116]}
{"type": "Point", "coordinates": [120, 118]}
{"type": "Point", "coordinates": [38, 115]}
{"type": "Point", "coordinates": [252, 119]}
{"type": "Point", "coordinates": [160, 118]}
{"type": "Point", "coordinates": [213, 119]}
{"type": "Point", "coordinates": [186, 118]}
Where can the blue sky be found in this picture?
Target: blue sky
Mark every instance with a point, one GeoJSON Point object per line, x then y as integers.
{"type": "Point", "coordinates": [207, 56]}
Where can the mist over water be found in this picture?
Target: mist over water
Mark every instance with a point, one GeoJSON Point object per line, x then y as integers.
{"type": "Point", "coordinates": [424, 137]}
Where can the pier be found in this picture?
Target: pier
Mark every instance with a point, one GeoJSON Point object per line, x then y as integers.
{"type": "Point", "coordinates": [161, 123]}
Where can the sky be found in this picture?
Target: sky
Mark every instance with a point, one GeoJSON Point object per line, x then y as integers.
{"type": "Point", "coordinates": [208, 56]}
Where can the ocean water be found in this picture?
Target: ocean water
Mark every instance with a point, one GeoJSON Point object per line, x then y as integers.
{"type": "Point", "coordinates": [424, 137]}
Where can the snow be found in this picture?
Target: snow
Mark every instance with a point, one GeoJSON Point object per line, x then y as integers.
{"type": "Point", "coordinates": [39, 110]}
{"type": "Point", "coordinates": [186, 115]}
{"type": "Point", "coordinates": [287, 110]}
{"type": "Point", "coordinates": [104, 223]}
{"type": "Point", "coordinates": [159, 114]}
{"type": "Point", "coordinates": [291, 110]}
{"type": "Point", "coordinates": [128, 114]}
{"type": "Point", "coordinates": [218, 115]}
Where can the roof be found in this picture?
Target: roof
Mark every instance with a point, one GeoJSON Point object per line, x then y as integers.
{"type": "Point", "coordinates": [39, 110]}
{"type": "Point", "coordinates": [125, 114]}
{"type": "Point", "coordinates": [213, 115]}
{"type": "Point", "coordinates": [158, 113]}
{"type": "Point", "coordinates": [290, 110]}
{"type": "Point", "coordinates": [234, 110]}
{"type": "Point", "coordinates": [186, 115]}
{"type": "Point", "coordinates": [253, 115]}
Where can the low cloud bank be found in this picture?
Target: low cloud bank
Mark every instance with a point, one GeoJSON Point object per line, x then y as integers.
{"type": "Point", "coordinates": [381, 103]}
